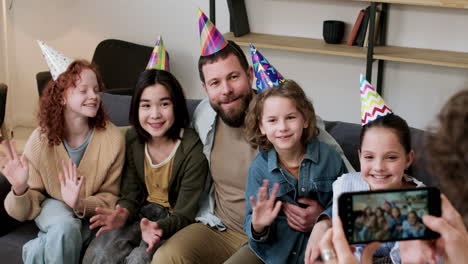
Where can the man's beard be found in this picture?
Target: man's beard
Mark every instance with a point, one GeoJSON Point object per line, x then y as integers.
{"type": "Point", "coordinates": [235, 117]}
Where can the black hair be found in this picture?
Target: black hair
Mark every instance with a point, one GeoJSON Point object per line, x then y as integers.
{"type": "Point", "coordinates": [166, 79]}
{"type": "Point", "coordinates": [394, 122]}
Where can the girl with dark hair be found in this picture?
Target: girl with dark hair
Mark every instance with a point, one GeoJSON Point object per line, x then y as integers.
{"type": "Point", "coordinates": [384, 154]}
{"type": "Point", "coordinates": [163, 177]}
{"type": "Point", "coordinates": [70, 166]}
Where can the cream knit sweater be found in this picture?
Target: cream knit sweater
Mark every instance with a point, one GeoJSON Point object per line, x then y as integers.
{"type": "Point", "coordinates": [100, 166]}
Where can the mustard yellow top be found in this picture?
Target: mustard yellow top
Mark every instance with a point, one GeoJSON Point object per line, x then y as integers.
{"type": "Point", "coordinates": [158, 176]}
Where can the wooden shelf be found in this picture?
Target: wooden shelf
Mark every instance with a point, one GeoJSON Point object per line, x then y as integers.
{"type": "Point", "coordinates": [390, 53]}
{"type": "Point", "coordinates": [297, 44]}
{"type": "Point", "coordinates": [437, 3]}
{"type": "Point", "coordinates": [422, 56]}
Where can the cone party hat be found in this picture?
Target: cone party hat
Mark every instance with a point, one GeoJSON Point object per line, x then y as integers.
{"type": "Point", "coordinates": [56, 61]}
{"type": "Point", "coordinates": [265, 74]}
{"type": "Point", "coordinates": [211, 40]}
{"type": "Point", "coordinates": [159, 59]}
{"type": "Point", "coordinates": [372, 105]}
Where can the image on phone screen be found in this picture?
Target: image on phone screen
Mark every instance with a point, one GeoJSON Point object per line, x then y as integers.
{"type": "Point", "coordinates": [388, 215]}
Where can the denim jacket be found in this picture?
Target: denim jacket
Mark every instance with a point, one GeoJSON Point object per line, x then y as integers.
{"type": "Point", "coordinates": [321, 166]}
{"type": "Point", "coordinates": [204, 122]}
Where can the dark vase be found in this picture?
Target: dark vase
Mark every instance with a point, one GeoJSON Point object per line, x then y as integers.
{"type": "Point", "coordinates": [333, 31]}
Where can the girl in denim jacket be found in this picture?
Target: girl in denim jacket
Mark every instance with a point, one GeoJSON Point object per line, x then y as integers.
{"type": "Point", "coordinates": [292, 164]}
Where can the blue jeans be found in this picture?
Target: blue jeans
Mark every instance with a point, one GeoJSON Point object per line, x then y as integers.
{"type": "Point", "coordinates": [60, 238]}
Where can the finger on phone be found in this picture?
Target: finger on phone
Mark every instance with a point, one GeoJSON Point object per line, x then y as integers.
{"type": "Point", "coordinates": [339, 238]}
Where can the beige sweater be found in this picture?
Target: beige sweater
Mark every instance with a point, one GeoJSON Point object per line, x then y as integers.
{"type": "Point", "coordinates": [101, 166]}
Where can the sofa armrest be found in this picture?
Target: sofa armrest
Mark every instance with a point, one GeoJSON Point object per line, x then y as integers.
{"type": "Point", "coordinates": [347, 135]}
{"type": "Point", "coordinates": [7, 223]}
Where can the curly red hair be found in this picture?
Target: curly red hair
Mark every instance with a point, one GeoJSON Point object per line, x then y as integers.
{"type": "Point", "coordinates": [51, 108]}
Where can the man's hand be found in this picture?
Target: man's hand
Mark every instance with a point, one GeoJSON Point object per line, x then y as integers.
{"type": "Point", "coordinates": [109, 219]}
{"type": "Point", "coordinates": [334, 240]}
{"type": "Point", "coordinates": [417, 251]}
{"type": "Point", "coordinates": [313, 249]}
{"type": "Point", "coordinates": [302, 219]}
{"type": "Point", "coordinates": [150, 233]}
{"type": "Point", "coordinates": [452, 244]}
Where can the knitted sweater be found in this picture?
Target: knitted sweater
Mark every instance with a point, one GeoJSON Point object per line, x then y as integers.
{"type": "Point", "coordinates": [100, 166]}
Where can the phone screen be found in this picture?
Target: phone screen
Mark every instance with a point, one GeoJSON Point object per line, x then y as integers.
{"type": "Point", "coordinates": [388, 215]}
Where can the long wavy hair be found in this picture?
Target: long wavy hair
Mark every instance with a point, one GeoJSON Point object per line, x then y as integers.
{"type": "Point", "coordinates": [447, 148]}
{"type": "Point", "coordinates": [51, 113]}
{"type": "Point", "coordinates": [288, 89]}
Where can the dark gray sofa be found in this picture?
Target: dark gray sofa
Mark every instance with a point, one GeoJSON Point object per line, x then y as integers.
{"type": "Point", "coordinates": [14, 234]}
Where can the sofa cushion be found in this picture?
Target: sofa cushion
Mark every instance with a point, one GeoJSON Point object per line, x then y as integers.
{"type": "Point", "coordinates": [117, 108]}
{"type": "Point", "coordinates": [7, 222]}
{"type": "Point", "coordinates": [120, 62]}
{"type": "Point", "coordinates": [347, 135]}
{"type": "Point", "coordinates": [12, 243]}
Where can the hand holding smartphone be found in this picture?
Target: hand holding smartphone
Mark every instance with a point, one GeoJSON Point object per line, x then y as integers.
{"type": "Point", "coordinates": [388, 215]}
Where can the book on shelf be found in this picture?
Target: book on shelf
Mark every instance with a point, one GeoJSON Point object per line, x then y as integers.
{"type": "Point", "coordinates": [355, 30]}
{"type": "Point", "coordinates": [363, 28]}
{"type": "Point", "coordinates": [376, 29]}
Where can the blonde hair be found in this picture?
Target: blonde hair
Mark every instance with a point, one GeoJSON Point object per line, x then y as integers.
{"type": "Point", "coordinates": [288, 89]}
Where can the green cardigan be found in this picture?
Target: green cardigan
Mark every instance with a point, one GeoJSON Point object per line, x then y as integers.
{"type": "Point", "coordinates": [189, 172]}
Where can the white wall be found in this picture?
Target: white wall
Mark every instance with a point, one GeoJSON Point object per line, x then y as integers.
{"type": "Point", "coordinates": [6, 60]}
{"type": "Point", "coordinates": [76, 27]}
{"type": "Point", "coordinates": [2, 46]}
{"type": "Point", "coordinates": [415, 92]}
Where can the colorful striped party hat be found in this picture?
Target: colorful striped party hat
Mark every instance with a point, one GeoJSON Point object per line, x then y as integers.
{"type": "Point", "coordinates": [159, 59]}
{"type": "Point", "coordinates": [56, 61]}
{"type": "Point", "coordinates": [372, 105]}
{"type": "Point", "coordinates": [211, 40]}
{"type": "Point", "coordinates": [265, 74]}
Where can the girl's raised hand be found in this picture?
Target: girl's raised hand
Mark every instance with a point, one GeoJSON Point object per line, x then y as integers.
{"type": "Point", "coordinates": [265, 209]}
{"type": "Point", "coordinates": [150, 233]}
{"type": "Point", "coordinates": [15, 169]}
{"type": "Point", "coordinates": [109, 219]}
{"type": "Point", "coordinates": [70, 184]}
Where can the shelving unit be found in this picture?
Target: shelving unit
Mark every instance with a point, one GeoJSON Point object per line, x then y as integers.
{"type": "Point", "coordinates": [435, 3]}
{"type": "Point", "coordinates": [422, 56]}
{"type": "Point", "coordinates": [307, 45]}
{"type": "Point", "coordinates": [380, 53]}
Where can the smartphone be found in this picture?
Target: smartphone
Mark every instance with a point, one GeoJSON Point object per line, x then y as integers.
{"type": "Point", "coordinates": [388, 215]}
